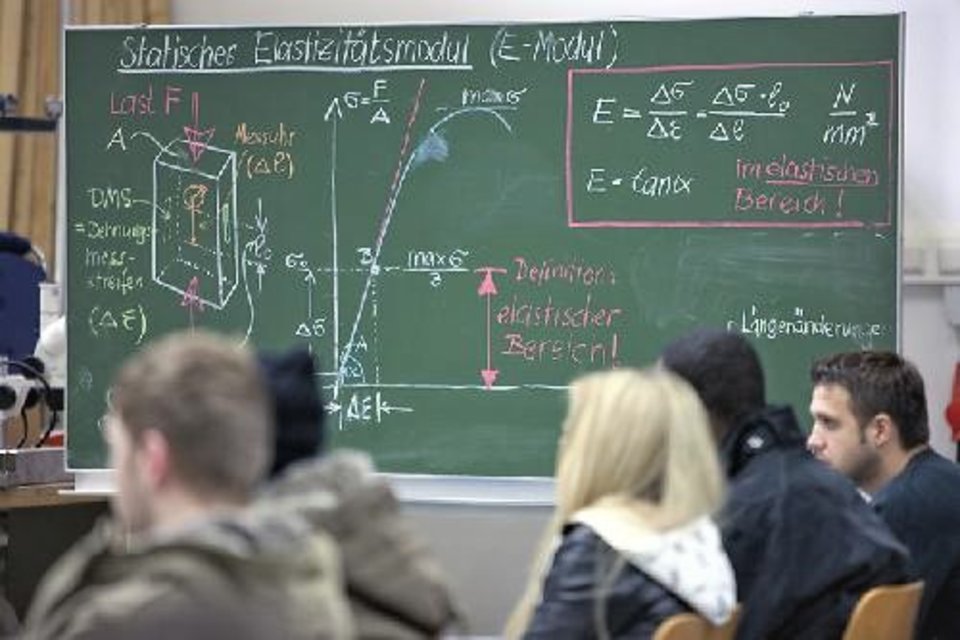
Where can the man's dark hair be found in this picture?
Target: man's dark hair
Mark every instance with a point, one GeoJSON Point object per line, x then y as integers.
{"type": "Point", "coordinates": [724, 369]}
{"type": "Point", "coordinates": [879, 382]}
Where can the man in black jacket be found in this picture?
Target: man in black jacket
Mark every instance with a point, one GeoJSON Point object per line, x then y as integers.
{"type": "Point", "coordinates": [803, 543]}
{"type": "Point", "coordinates": [870, 423]}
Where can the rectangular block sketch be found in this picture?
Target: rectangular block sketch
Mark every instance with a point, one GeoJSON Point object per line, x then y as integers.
{"type": "Point", "coordinates": [195, 222]}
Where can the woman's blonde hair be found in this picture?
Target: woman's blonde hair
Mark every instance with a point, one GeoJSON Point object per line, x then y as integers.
{"type": "Point", "coordinates": [640, 439]}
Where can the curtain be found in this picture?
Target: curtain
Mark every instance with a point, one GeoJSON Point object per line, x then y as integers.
{"type": "Point", "coordinates": [30, 39]}
{"type": "Point", "coordinates": [30, 69]}
{"type": "Point", "coordinates": [119, 11]}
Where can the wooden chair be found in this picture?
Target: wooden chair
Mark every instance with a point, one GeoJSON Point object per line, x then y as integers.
{"type": "Point", "coordinates": [885, 613]}
{"type": "Point", "coordinates": [690, 626]}
{"type": "Point", "coordinates": [683, 626]}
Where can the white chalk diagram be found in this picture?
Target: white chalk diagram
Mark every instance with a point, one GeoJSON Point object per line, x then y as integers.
{"type": "Point", "coordinates": [196, 237]}
{"type": "Point", "coordinates": [348, 372]}
{"type": "Point", "coordinates": [203, 243]}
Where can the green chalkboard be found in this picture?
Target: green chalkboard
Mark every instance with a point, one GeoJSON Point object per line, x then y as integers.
{"type": "Point", "coordinates": [459, 219]}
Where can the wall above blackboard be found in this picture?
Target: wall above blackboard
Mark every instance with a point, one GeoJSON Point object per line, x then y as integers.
{"type": "Point", "coordinates": [459, 219]}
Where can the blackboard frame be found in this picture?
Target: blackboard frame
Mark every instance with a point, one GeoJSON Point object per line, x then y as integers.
{"type": "Point", "coordinates": [537, 482]}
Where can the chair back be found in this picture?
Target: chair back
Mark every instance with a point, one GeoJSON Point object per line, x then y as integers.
{"type": "Point", "coordinates": [690, 626]}
{"type": "Point", "coordinates": [682, 626]}
{"type": "Point", "coordinates": [888, 612]}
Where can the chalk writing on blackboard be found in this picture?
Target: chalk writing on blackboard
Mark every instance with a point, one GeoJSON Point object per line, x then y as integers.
{"type": "Point", "coordinates": [659, 111]}
{"type": "Point", "coordinates": [458, 219]}
{"type": "Point", "coordinates": [776, 325]}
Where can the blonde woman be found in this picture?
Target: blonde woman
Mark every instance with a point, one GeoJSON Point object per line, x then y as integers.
{"type": "Point", "coordinates": [631, 541]}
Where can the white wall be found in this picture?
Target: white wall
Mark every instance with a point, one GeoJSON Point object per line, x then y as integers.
{"type": "Point", "coordinates": [485, 552]}
{"type": "Point", "coordinates": [486, 548]}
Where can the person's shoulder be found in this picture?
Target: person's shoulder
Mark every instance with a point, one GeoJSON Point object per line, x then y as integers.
{"type": "Point", "coordinates": [928, 488]}
{"type": "Point", "coordinates": [807, 476]}
{"type": "Point", "coordinates": [815, 473]}
{"type": "Point", "coordinates": [789, 471]}
{"type": "Point", "coordinates": [77, 590]}
{"type": "Point", "coordinates": [572, 570]}
{"type": "Point", "coordinates": [581, 551]}
{"type": "Point", "coordinates": [219, 619]}
{"type": "Point", "coordinates": [343, 480]}
{"type": "Point", "coordinates": [249, 548]}
{"type": "Point", "coordinates": [579, 542]}
{"type": "Point", "coordinates": [927, 477]}
{"type": "Point", "coordinates": [103, 609]}
{"type": "Point", "coordinates": [255, 562]}
{"type": "Point", "coordinates": [791, 482]}
{"type": "Point", "coordinates": [183, 568]}
{"type": "Point", "coordinates": [931, 467]}
{"type": "Point", "coordinates": [583, 556]}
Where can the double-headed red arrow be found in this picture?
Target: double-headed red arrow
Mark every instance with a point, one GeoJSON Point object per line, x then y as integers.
{"type": "Point", "coordinates": [488, 289]}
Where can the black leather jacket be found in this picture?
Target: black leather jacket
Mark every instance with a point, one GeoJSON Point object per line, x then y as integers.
{"type": "Point", "coordinates": [803, 543]}
{"type": "Point", "coordinates": [633, 607]}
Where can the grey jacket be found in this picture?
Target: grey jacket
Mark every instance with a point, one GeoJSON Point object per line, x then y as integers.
{"type": "Point", "coordinates": [394, 586]}
{"type": "Point", "coordinates": [249, 574]}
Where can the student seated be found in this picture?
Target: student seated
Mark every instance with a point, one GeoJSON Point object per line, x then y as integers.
{"type": "Point", "coordinates": [394, 586]}
{"type": "Point", "coordinates": [190, 438]}
{"type": "Point", "coordinates": [803, 544]}
{"type": "Point", "coordinates": [631, 542]}
{"type": "Point", "coordinates": [870, 423]}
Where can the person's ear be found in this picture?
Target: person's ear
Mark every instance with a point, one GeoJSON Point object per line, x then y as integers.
{"type": "Point", "coordinates": [154, 457]}
{"type": "Point", "coordinates": [882, 430]}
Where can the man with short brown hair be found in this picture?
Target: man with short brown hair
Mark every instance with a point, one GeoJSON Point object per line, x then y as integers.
{"type": "Point", "coordinates": [190, 436]}
{"type": "Point", "coordinates": [870, 423]}
{"type": "Point", "coordinates": [190, 414]}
